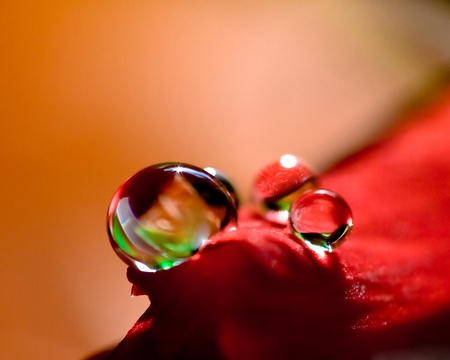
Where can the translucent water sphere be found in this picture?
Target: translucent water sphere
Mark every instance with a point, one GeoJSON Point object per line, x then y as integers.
{"type": "Point", "coordinates": [278, 184]}
{"type": "Point", "coordinates": [321, 218]}
{"type": "Point", "coordinates": [161, 216]}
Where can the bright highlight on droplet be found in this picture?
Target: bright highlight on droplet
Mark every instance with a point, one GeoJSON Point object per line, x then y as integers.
{"type": "Point", "coordinates": [288, 161]}
{"type": "Point", "coordinates": [179, 169]}
{"type": "Point", "coordinates": [281, 217]}
{"type": "Point", "coordinates": [320, 251]}
{"type": "Point", "coordinates": [210, 170]}
{"type": "Point", "coordinates": [142, 267]}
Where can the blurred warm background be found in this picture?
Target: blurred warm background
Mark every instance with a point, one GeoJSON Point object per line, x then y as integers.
{"type": "Point", "coordinates": [93, 91]}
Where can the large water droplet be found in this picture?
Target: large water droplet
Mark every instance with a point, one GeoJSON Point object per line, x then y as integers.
{"type": "Point", "coordinates": [321, 218]}
{"type": "Point", "coordinates": [278, 184]}
{"type": "Point", "coordinates": [161, 216]}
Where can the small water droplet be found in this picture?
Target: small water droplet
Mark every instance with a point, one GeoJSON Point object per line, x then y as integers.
{"type": "Point", "coordinates": [321, 218]}
{"type": "Point", "coordinates": [278, 184]}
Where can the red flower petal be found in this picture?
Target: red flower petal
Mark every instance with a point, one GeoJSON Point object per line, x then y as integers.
{"type": "Point", "coordinates": [254, 293]}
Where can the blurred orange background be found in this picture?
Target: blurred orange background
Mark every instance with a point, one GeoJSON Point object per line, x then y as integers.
{"type": "Point", "coordinates": [93, 91]}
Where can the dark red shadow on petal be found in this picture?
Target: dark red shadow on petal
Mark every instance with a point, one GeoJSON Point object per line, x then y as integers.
{"type": "Point", "coordinates": [244, 299]}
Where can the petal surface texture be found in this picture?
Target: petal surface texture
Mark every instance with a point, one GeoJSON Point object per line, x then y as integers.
{"type": "Point", "coordinates": [255, 293]}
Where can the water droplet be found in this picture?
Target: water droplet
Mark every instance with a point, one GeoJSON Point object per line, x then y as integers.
{"type": "Point", "coordinates": [321, 218]}
{"type": "Point", "coordinates": [225, 182]}
{"type": "Point", "coordinates": [278, 184]}
{"type": "Point", "coordinates": [161, 216]}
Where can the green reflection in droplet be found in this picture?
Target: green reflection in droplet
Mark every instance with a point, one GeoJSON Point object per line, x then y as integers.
{"type": "Point", "coordinates": [174, 246]}
{"type": "Point", "coordinates": [166, 264]}
{"type": "Point", "coordinates": [121, 238]}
